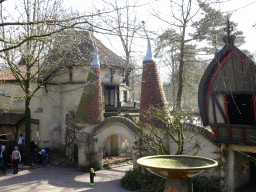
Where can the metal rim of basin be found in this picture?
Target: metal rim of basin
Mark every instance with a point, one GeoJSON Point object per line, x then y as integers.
{"type": "Point", "coordinates": [213, 163]}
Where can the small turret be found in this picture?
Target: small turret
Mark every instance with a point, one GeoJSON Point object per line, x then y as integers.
{"type": "Point", "coordinates": [152, 92]}
{"type": "Point", "coordinates": [90, 109]}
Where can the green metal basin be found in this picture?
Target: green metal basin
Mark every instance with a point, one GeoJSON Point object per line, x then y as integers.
{"type": "Point", "coordinates": [177, 167]}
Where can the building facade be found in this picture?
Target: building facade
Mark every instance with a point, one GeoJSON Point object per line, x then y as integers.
{"type": "Point", "coordinates": [60, 95]}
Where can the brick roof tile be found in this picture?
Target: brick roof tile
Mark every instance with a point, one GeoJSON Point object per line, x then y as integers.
{"type": "Point", "coordinates": [7, 75]}
{"type": "Point", "coordinates": [106, 58]}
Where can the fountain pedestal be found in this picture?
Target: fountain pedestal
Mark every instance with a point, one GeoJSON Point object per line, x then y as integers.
{"type": "Point", "coordinates": [178, 186]}
{"type": "Point", "coordinates": [178, 169]}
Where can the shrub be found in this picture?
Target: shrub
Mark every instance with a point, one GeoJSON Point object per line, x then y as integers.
{"type": "Point", "coordinates": [204, 184]}
{"type": "Point", "coordinates": [135, 179]}
{"type": "Point", "coordinates": [131, 179]}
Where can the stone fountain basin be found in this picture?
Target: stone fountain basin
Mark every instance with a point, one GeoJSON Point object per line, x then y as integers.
{"type": "Point", "coordinates": [176, 167]}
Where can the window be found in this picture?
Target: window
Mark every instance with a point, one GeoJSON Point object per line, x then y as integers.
{"type": "Point", "coordinates": [240, 109]}
{"type": "Point", "coordinates": [125, 96]}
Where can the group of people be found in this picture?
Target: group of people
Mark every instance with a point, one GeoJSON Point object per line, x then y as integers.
{"type": "Point", "coordinates": [16, 158]}
{"type": "Point", "coordinates": [17, 153]}
{"type": "Point", "coordinates": [43, 154]}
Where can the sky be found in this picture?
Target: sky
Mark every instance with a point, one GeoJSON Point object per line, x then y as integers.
{"type": "Point", "coordinates": [242, 13]}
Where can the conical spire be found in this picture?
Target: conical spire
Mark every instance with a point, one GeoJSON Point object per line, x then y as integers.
{"type": "Point", "coordinates": [95, 61]}
{"type": "Point", "coordinates": [152, 92]}
{"type": "Point", "coordinates": [90, 109]}
{"type": "Point", "coordinates": [148, 56]}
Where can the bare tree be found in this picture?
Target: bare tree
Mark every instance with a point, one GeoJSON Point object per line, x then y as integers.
{"type": "Point", "coordinates": [124, 23]}
{"type": "Point", "coordinates": [160, 130]}
{"type": "Point", "coordinates": [37, 40]}
{"type": "Point", "coordinates": [191, 21]}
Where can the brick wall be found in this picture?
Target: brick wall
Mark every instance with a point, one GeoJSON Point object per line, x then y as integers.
{"type": "Point", "coordinates": [152, 92]}
{"type": "Point", "coordinates": [90, 108]}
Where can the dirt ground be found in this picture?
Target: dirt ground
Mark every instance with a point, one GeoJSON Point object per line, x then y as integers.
{"type": "Point", "coordinates": [115, 161]}
{"type": "Point", "coordinates": [108, 162]}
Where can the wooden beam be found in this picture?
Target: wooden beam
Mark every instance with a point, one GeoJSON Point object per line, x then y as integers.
{"type": "Point", "coordinates": [214, 111]}
{"type": "Point", "coordinates": [213, 96]}
{"type": "Point", "coordinates": [243, 134]}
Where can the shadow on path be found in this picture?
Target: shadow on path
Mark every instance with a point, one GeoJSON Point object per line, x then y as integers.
{"type": "Point", "coordinates": [62, 179]}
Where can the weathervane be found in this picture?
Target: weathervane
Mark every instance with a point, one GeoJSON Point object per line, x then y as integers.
{"type": "Point", "coordinates": [148, 56]}
{"type": "Point", "coordinates": [91, 26]}
{"type": "Point", "coordinates": [229, 28]}
{"type": "Point", "coordinates": [143, 22]}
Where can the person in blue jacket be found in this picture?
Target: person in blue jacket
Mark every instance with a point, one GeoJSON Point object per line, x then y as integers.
{"type": "Point", "coordinates": [3, 159]}
{"type": "Point", "coordinates": [45, 157]}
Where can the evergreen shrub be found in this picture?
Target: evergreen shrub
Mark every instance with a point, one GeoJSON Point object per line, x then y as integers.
{"type": "Point", "coordinates": [134, 179]}
{"type": "Point", "coordinates": [204, 184]}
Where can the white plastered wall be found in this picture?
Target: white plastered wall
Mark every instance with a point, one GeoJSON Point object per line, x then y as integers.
{"type": "Point", "coordinates": [197, 145]}
{"type": "Point", "coordinates": [112, 129]}
{"type": "Point", "coordinates": [219, 118]}
{"type": "Point", "coordinates": [51, 106]}
{"type": "Point", "coordinates": [237, 162]}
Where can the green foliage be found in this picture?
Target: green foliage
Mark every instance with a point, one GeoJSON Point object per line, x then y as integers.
{"type": "Point", "coordinates": [135, 179]}
{"type": "Point", "coordinates": [204, 184]}
{"type": "Point", "coordinates": [131, 180]}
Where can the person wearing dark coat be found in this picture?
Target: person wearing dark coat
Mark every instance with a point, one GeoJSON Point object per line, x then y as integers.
{"type": "Point", "coordinates": [21, 144]}
{"type": "Point", "coordinates": [33, 150]}
{"type": "Point", "coordinates": [92, 174]}
{"type": "Point", "coordinates": [45, 157]}
{"type": "Point", "coordinates": [3, 159]}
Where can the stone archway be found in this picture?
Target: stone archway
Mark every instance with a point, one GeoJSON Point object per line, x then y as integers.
{"type": "Point", "coordinates": [114, 128]}
{"type": "Point", "coordinates": [115, 125]}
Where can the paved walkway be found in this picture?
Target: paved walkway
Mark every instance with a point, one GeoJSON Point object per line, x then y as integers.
{"type": "Point", "coordinates": [59, 179]}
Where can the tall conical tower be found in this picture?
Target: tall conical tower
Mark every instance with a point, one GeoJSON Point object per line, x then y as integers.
{"type": "Point", "coordinates": [152, 92]}
{"type": "Point", "coordinates": [90, 109]}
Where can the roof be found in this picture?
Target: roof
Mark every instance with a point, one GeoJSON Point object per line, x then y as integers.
{"type": "Point", "coordinates": [106, 58]}
{"type": "Point", "coordinates": [226, 52]}
{"type": "Point", "coordinates": [11, 118]}
{"type": "Point", "coordinates": [148, 56]}
{"type": "Point", "coordinates": [7, 75]}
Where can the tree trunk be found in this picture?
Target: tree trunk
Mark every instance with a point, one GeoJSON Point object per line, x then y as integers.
{"type": "Point", "coordinates": [180, 73]}
{"type": "Point", "coordinates": [27, 132]}
{"type": "Point", "coordinates": [27, 116]}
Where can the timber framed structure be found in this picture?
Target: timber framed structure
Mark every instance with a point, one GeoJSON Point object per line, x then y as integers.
{"type": "Point", "coordinates": [226, 96]}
